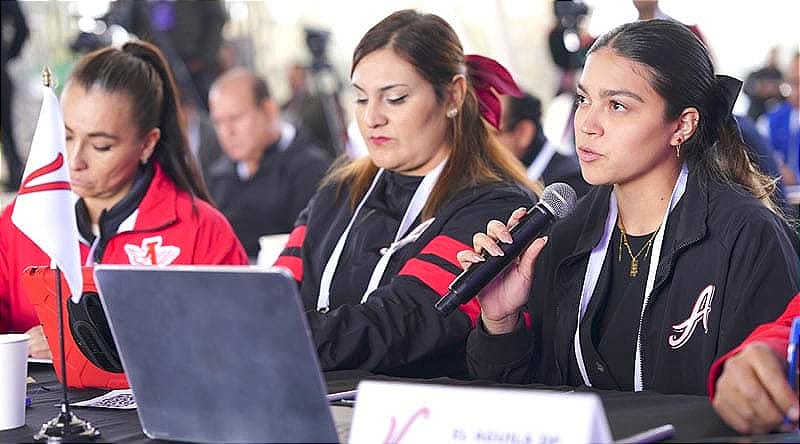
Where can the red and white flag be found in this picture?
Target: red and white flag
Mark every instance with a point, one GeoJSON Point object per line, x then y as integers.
{"type": "Point", "coordinates": [44, 208]}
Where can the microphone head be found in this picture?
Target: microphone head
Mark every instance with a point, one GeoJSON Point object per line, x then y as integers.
{"type": "Point", "coordinates": [559, 198]}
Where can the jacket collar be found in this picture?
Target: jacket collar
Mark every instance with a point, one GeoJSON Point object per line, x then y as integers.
{"type": "Point", "coordinates": [159, 205]}
{"type": "Point", "coordinates": [686, 225]}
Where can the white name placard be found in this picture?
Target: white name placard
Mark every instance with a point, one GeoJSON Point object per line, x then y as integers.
{"type": "Point", "coordinates": [399, 412]}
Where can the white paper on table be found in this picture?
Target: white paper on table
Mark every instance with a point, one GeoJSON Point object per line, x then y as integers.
{"type": "Point", "coordinates": [115, 399]}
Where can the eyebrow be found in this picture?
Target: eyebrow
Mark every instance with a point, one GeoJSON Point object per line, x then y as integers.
{"type": "Point", "coordinates": [96, 134]}
{"type": "Point", "coordinates": [383, 88]}
{"type": "Point", "coordinates": [616, 92]}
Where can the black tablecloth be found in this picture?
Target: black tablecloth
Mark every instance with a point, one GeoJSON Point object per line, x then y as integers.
{"type": "Point", "coordinates": [628, 413]}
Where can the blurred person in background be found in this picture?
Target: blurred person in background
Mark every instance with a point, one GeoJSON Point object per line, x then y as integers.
{"type": "Point", "coordinates": [269, 170]}
{"type": "Point", "coordinates": [521, 132]}
{"type": "Point", "coordinates": [188, 32]}
{"type": "Point", "coordinates": [763, 86]}
{"type": "Point", "coordinates": [782, 125]}
{"type": "Point", "coordinates": [200, 132]}
{"type": "Point", "coordinates": [14, 33]}
{"type": "Point", "coordinates": [649, 9]}
{"type": "Point", "coordinates": [141, 199]}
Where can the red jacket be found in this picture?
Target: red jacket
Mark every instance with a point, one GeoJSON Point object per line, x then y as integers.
{"type": "Point", "coordinates": [169, 227]}
{"type": "Point", "coordinates": [775, 334]}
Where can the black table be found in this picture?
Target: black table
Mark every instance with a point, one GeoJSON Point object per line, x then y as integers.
{"type": "Point", "coordinates": [628, 413]}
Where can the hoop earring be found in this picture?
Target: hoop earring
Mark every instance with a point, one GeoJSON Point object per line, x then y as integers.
{"type": "Point", "coordinates": [452, 113]}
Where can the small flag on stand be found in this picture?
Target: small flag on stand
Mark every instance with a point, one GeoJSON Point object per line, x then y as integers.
{"type": "Point", "coordinates": [44, 208]}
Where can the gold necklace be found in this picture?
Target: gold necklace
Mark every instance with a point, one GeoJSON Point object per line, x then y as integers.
{"type": "Point", "coordinates": [623, 240]}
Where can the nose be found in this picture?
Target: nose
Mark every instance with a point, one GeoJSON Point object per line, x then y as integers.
{"type": "Point", "coordinates": [373, 114]}
{"type": "Point", "coordinates": [75, 156]}
{"type": "Point", "coordinates": [587, 121]}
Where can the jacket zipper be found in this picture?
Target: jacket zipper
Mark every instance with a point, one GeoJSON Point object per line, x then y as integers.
{"type": "Point", "coordinates": [639, 342]}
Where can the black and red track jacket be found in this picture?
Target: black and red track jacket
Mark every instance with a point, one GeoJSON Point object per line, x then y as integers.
{"type": "Point", "coordinates": [397, 331]}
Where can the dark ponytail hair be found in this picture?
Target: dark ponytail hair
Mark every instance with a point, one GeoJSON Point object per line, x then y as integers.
{"type": "Point", "coordinates": [682, 73]}
{"type": "Point", "coordinates": [140, 71]}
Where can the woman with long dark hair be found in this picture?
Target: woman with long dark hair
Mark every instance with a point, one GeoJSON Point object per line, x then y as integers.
{"type": "Point", "coordinates": [673, 257]}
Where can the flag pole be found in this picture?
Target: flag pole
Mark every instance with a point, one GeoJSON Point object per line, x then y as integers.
{"type": "Point", "coordinates": [66, 426]}
{"type": "Point", "coordinates": [48, 82]}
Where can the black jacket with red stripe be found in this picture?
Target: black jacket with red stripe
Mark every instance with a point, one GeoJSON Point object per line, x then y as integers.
{"type": "Point", "coordinates": [396, 331]}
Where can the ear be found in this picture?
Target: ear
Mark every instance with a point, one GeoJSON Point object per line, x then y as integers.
{"type": "Point", "coordinates": [457, 91]}
{"type": "Point", "coordinates": [270, 107]}
{"type": "Point", "coordinates": [686, 125]}
{"type": "Point", "coordinates": [149, 145]}
{"type": "Point", "coordinates": [524, 132]}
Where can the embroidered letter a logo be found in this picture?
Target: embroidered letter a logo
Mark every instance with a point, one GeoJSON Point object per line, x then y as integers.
{"type": "Point", "coordinates": [701, 310]}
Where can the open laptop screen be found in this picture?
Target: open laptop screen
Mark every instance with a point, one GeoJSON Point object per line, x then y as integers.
{"type": "Point", "coordinates": [217, 353]}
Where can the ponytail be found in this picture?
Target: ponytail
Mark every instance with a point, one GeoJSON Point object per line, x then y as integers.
{"type": "Point", "coordinates": [172, 152]}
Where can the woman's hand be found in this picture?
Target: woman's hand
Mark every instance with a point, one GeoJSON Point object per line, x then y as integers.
{"type": "Point", "coordinates": [503, 298]}
{"type": "Point", "coordinates": [37, 347]}
{"type": "Point", "coordinates": [752, 394]}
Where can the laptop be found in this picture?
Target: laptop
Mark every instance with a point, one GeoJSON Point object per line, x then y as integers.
{"type": "Point", "coordinates": [216, 354]}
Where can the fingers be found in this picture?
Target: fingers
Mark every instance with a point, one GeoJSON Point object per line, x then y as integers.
{"type": "Point", "coordinates": [769, 370]}
{"type": "Point", "coordinates": [468, 257]}
{"type": "Point", "coordinates": [529, 256]}
{"type": "Point", "coordinates": [37, 347]}
{"type": "Point", "coordinates": [516, 216]}
{"type": "Point", "coordinates": [743, 399]}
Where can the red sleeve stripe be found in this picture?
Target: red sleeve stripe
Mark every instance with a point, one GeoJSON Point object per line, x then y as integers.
{"type": "Point", "coordinates": [446, 248]}
{"type": "Point", "coordinates": [293, 264]}
{"type": "Point", "coordinates": [431, 275]}
{"type": "Point", "coordinates": [296, 238]}
{"type": "Point", "coordinates": [471, 309]}
{"type": "Point", "coordinates": [438, 280]}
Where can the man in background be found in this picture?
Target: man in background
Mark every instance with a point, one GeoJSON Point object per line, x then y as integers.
{"type": "Point", "coordinates": [270, 170]}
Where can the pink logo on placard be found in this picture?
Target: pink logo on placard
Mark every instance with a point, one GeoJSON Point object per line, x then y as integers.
{"type": "Point", "coordinates": [394, 438]}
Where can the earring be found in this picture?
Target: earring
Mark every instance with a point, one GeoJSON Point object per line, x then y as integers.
{"type": "Point", "coordinates": [678, 148]}
{"type": "Point", "coordinates": [452, 113]}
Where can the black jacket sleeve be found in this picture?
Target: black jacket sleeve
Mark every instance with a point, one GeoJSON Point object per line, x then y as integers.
{"type": "Point", "coordinates": [398, 325]}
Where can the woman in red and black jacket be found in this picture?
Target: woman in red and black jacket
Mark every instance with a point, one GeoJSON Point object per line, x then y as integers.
{"type": "Point", "coordinates": [141, 198]}
{"type": "Point", "coordinates": [375, 248]}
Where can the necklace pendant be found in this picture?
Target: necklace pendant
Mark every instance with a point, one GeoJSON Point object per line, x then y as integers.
{"type": "Point", "coordinates": [634, 270]}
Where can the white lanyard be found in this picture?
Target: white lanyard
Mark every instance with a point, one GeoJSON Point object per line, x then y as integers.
{"type": "Point", "coordinates": [541, 161]}
{"type": "Point", "coordinates": [412, 212]}
{"type": "Point", "coordinates": [596, 259]}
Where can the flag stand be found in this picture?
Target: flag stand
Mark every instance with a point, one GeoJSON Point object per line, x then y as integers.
{"type": "Point", "coordinates": [66, 427]}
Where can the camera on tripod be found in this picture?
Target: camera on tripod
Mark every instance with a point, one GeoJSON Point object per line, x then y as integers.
{"type": "Point", "coordinates": [569, 14]}
{"type": "Point", "coordinates": [317, 43]}
{"type": "Point", "coordinates": [326, 87]}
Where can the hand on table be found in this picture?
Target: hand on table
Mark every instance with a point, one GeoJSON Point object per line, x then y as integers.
{"type": "Point", "coordinates": [37, 347]}
{"type": "Point", "coordinates": [752, 393]}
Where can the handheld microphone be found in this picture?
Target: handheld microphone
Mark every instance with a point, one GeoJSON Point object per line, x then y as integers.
{"type": "Point", "coordinates": [557, 201]}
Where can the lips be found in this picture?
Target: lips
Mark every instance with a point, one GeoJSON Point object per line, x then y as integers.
{"type": "Point", "coordinates": [587, 155]}
{"type": "Point", "coordinates": [379, 140]}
